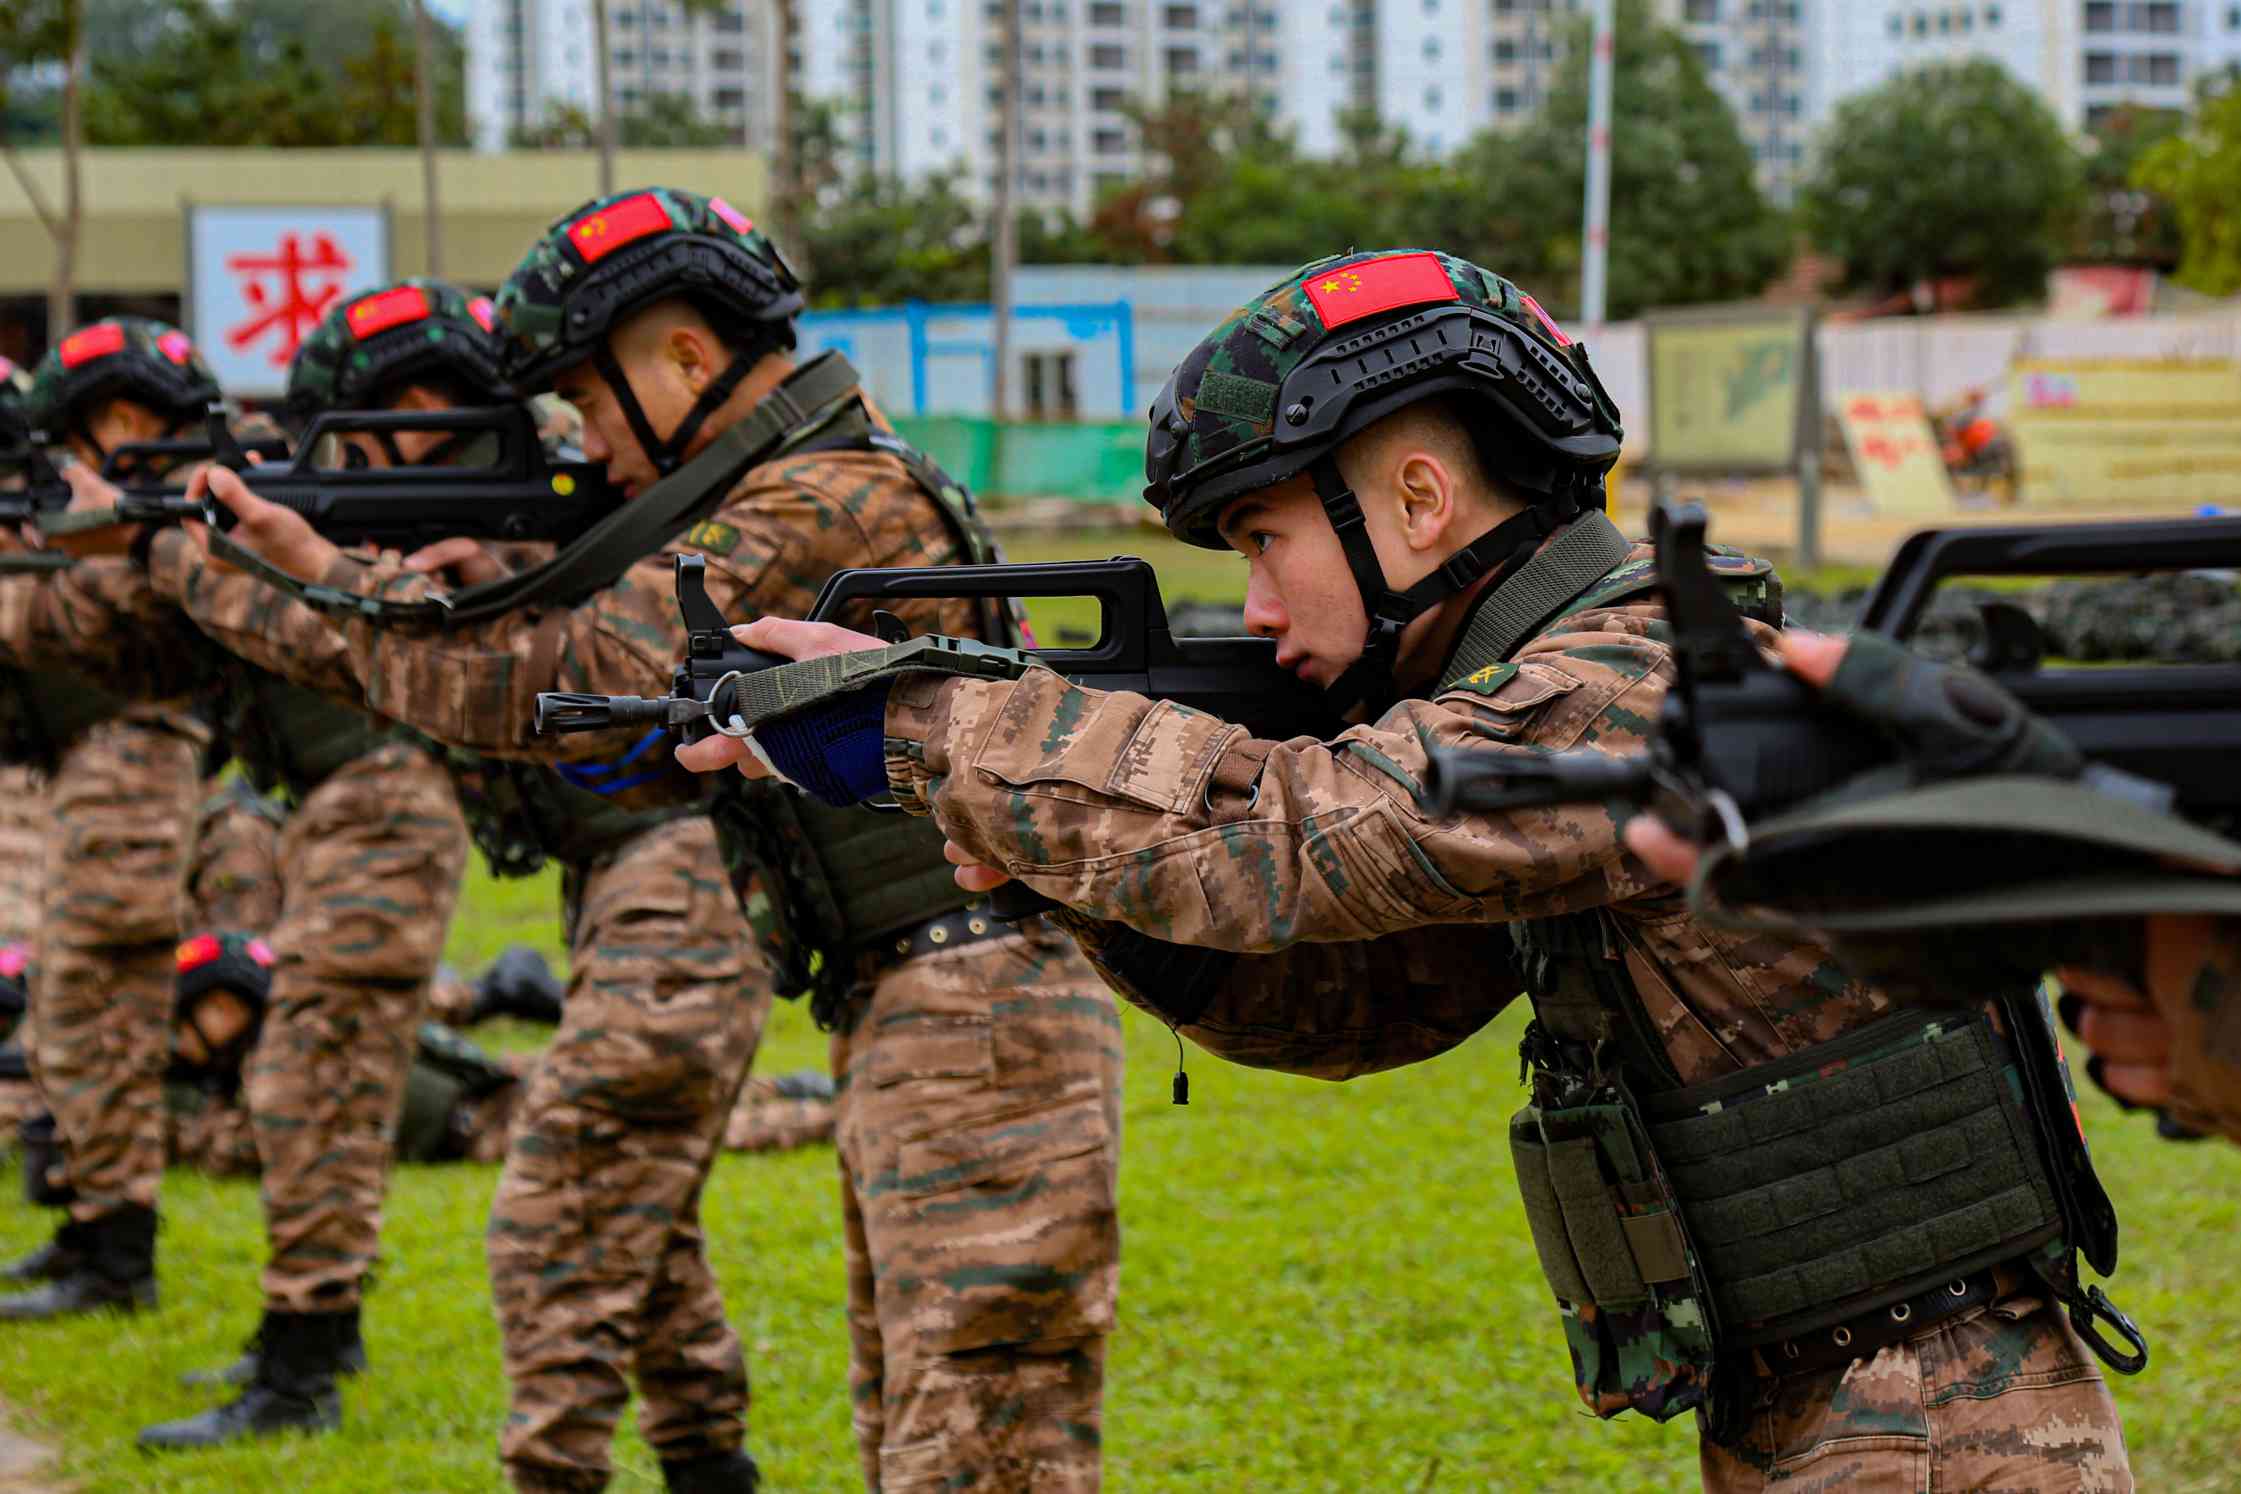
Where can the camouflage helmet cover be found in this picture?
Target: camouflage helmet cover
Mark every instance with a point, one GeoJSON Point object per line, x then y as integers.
{"type": "Point", "coordinates": [615, 254]}
{"type": "Point", "coordinates": [120, 357]}
{"type": "Point", "coordinates": [372, 344]}
{"type": "Point", "coordinates": [1346, 340]}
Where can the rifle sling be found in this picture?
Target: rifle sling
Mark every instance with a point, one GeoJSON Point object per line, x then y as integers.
{"type": "Point", "coordinates": [1563, 568]}
{"type": "Point", "coordinates": [809, 398]}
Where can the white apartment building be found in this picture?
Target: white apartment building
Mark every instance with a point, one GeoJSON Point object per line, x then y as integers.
{"type": "Point", "coordinates": [919, 81]}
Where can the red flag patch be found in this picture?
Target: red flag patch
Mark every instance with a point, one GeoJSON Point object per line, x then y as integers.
{"type": "Point", "coordinates": [1351, 292]}
{"type": "Point", "coordinates": [91, 343]}
{"type": "Point", "coordinates": [737, 221]}
{"type": "Point", "coordinates": [391, 308]}
{"type": "Point", "coordinates": [485, 312]}
{"type": "Point", "coordinates": [198, 952]}
{"type": "Point", "coordinates": [176, 346]}
{"type": "Point", "coordinates": [597, 235]}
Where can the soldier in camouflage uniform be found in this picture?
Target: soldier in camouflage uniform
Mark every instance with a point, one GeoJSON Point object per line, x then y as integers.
{"type": "Point", "coordinates": [977, 1065]}
{"type": "Point", "coordinates": [1746, 1173]}
{"type": "Point", "coordinates": [24, 821]}
{"type": "Point", "coordinates": [372, 852]}
{"type": "Point", "coordinates": [124, 761]}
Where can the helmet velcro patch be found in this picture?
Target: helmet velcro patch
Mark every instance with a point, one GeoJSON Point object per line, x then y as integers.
{"type": "Point", "coordinates": [597, 235]}
{"type": "Point", "coordinates": [1351, 292]}
{"type": "Point", "coordinates": [176, 346]}
{"type": "Point", "coordinates": [485, 312]}
{"type": "Point", "coordinates": [1237, 397]}
{"type": "Point", "coordinates": [93, 342]}
{"type": "Point", "coordinates": [735, 220]}
{"type": "Point", "coordinates": [390, 308]}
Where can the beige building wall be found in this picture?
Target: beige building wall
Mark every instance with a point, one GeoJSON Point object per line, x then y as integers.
{"type": "Point", "coordinates": [134, 240]}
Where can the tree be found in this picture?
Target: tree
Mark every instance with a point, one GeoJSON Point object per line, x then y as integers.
{"type": "Point", "coordinates": [1688, 222]}
{"type": "Point", "coordinates": [424, 110]}
{"type": "Point", "coordinates": [2199, 172]}
{"type": "Point", "coordinates": [52, 32]}
{"type": "Point", "coordinates": [880, 242]}
{"type": "Point", "coordinates": [2123, 222]}
{"type": "Point", "coordinates": [664, 121]}
{"type": "Point", "coordinates": [1948, 170]}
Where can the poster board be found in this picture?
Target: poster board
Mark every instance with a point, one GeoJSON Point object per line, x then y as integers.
{"type": "Point", "coordinates": [1895, 452]}
{"type": "Point", "coordinates": [259, 278]}
{"type": "Point", "coordinates": [1731, 391]}
{"type": "Point", "coordinates": [2115, 433]}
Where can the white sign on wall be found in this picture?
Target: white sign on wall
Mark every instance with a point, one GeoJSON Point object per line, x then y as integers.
{"type": "Point", "coordinates": [260, 278]}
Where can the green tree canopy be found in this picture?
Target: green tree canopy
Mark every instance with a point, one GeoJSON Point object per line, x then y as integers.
{"type": "Point", "coordinates": [2199, 172]}
{"type": "Point", "coordinates": [661, 121]}
{"type": "Point", "coordinates": [1946, 170]}
{"type": "Point", "coordinates": [2123, 221]}
{"type": "Point", "coordinates": [1688, 222]}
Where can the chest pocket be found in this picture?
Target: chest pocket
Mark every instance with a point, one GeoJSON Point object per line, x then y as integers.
{"type": "Point", "coordinates": [1517, 700]}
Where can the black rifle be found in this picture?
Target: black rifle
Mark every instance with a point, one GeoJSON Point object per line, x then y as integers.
{"type": "Point", "coordinates": [518, 494]}
{"type": "Point", "coordinates": [1233, 678]}
{"type": "Point", "coordinates": [138, 469]}
{"type": "Point", "coordinates": [1740, 739]}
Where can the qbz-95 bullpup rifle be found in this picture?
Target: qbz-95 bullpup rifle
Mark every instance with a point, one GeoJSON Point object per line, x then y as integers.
{"type": "Point", "coordinates": [1741, 740]}
{"type": "Point", "coordinates": [1234, 678]}
{"type": "Point", "coordinates": [518, 493]}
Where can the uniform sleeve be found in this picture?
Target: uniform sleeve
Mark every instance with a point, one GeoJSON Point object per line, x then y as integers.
{"type": "Point", "coordinates": [1328, 1011]}
{"type": "Point", "coordinates": [1182, 827]}
{"type": "Point", "coordinates": [102, 617]}
{"type": "Point", "coordinates": [254, 621]}
{"type": "Point", "coordinates": [788, 525]}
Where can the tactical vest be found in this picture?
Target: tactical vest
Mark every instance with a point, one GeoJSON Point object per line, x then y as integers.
{"type": "Point", "coordinates": [522, 814]}
{"type": "Point", "coordinates": [822, 887]}
{"type": "Point", "coordinates": [1684, 1229]}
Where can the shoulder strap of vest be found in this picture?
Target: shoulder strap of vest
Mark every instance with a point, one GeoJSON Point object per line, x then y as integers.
{"type": "Point", "coordinates": [1575, 560]}
{"type": "Point", "coordinates": [811, 395]}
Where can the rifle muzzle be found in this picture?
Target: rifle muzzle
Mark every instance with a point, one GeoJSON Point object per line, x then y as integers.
{"type": "Point", "coordinates": [565, 711]}
{"type": "Point", "coordinates": [1491, 781]}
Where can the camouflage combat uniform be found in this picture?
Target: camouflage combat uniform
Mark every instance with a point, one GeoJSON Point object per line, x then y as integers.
{"type": "Point", "coordinates": [1293, 906]}
{"type": "Point", "coordinates": [978, 1110]}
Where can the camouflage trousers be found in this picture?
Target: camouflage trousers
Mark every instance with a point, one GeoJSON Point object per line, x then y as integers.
{"type": "Point", "coordinates": [233, 878]}
{"type": "Point", "coordinates": [370, 868]}
{"type": "Point", "coordinates": [2003, 1397]}
{"type": "Point", "coordinates": [597, 1258]}
{"type": "Point", "coordinates": [123, 798]}
{"type": "Point", "coordinates": [979, 1139]}
{"type": "Point", "coordinates": [25, 826]}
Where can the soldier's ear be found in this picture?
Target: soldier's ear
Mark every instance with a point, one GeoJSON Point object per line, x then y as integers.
{"type": "Point", "coordinates": [1426, 489]}
{"type": "Point", "coordinates": [688, 351]}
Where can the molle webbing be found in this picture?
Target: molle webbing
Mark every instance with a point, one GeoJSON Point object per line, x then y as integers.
{"type": "Point", "coordinates": [1589, 1250]}
{"type": "Point", "coordinates": [882, 871]}
{"type": "Point", "coordinates": [1812, 1195]}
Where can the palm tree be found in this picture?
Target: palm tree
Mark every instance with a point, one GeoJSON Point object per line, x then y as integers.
{"type": "Point", "coordinates": [606, 102]}
{"type": "Point", "coordinates": [1004, 254]}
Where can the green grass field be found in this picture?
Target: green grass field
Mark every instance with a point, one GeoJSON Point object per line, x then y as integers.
{"type": "Point", "coordinates": [1326, 1288]}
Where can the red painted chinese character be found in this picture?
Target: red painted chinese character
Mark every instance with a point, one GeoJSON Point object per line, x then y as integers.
{"type": "Point", "coordinates": [297, 304]}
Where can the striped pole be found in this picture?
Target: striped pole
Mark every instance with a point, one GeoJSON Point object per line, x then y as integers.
{"type": "Point", "coordinates": [1596, 236]}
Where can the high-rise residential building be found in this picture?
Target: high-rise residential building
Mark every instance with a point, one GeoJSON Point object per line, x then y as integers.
{"type": "Point", "coordinates": [527, 57]}
{"type": "Point", "coordinates": [917, 84]}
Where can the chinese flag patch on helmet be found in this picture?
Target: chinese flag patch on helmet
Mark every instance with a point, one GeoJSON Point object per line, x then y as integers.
{"type": "Point", "coordinates": [92, 343]}
{"type": "Point", "coordinates": [1351, 292]}
{"type": "Point", "coordinates": [597, 235]}
{"type": "Point", "coordinates": [391, 308]}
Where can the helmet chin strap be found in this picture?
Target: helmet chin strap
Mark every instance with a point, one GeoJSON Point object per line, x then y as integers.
{"type": "Point", "coordinates": [668, 455]}
{"type": "Point", "coordinates": [1368, 683]}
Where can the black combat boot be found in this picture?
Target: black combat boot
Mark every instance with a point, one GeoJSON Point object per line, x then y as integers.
{"type": "Point", "coordinates": [294, 1389]}
{"type": "Point", "coordinates": [45, 1180]}
{"type": "Point", "coordinates": [116, 1269]}
{"type": "Point", "coordinates": [711, 1473]}
{"type": "Point", "coordinates": [350, 1360]}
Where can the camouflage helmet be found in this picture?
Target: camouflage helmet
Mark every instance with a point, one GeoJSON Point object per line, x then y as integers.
{"type": "Point", "coordinates": [120, 357]}
{"type": "Point", "coordinates": [613, 255]}
{"type": "Point", "coordinates": [1342, 342]}
{"type": "Point", "coordinates": [368, 347]}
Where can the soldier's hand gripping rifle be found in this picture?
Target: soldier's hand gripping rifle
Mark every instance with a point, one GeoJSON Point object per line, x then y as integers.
{"type": "Point", "coordinates": [1741, 740]}
{"type": "Point", "coordinates": [1234, 678]}
{"type": "Point", "coordinates": [139, 468]}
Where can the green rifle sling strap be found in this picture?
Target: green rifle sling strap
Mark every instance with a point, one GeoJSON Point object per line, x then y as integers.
{"type": "Point", "coordinates": [809, 398]}
{"type": "Point", "coordinates": [1563, 568]}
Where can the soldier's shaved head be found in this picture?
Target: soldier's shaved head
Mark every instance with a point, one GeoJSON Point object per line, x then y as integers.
{"type": "Point", "coordinates": [1438, 428]}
